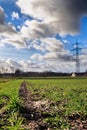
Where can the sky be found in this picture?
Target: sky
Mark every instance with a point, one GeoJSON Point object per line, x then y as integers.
{"type": "Point", "coordinates": [37, 36]}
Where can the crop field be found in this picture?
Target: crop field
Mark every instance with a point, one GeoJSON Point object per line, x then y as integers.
{"type": "Point", "coordinates": [65, 108]}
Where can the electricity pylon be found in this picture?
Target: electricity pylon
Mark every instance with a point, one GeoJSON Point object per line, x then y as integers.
{"type": "Point", "coordinates": [77, 53]}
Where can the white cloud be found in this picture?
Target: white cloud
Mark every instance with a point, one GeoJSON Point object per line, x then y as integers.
{"type": "Point", "coordinates": [56, 66]}
{"type": "Point", "coordinates": [15, 15]}
{"type": "Point", "coordinates": [37, 57]}
{"type": "Point", "coordinates": [66, 41]}
{"type": "Point", "coordinates": [5, 28]}
{"type": "Point", "coordinates": [53, 50]}
{"type": "Point", "coordinates": [52, 44]}
{"type": "Point", "coordinates": [15, 40]}
{"type": "Point", "coordinates": [36, 30]}
{"type": "Point", "coordinates": [11, 65]}
{"type": "Point", "coordinates": [8, 33]}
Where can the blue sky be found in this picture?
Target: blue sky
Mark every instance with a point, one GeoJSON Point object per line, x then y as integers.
{"type": "Point", "coordinates": [35, 36]}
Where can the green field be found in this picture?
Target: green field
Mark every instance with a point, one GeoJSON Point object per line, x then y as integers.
{"type": "Point", "coordinates": [69, 97]}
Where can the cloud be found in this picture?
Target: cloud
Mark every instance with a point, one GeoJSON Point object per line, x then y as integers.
{"type": "Point", "coordinates": [9, 66]}
{"type": "Point", "coordinates": [56, 65]}
{"type": "Point", "coordinates": [13, 63]}
{"type": "Point", "coordinates": [59, 16]}
{"type": "Point", "coordinates": [53, 56]}
{"type": "Point", "coordinates": [52, 44]}
{"type": "Point", "coordinates": [38, 33]}
{"type": "Point", "coordinates": [15, 15]}
{"type": "Point", "coordinates": [47, 44]}
{"type": "Point", "coordinates": [36, 30]}
{"type": "Point", "coordinates": [2, 16]}
{"type": "Point", "coordinates": [5, 28]}
{"type": "Point", "coordinates": [53, 50]}
{"type": "Point", "coordinates": [8, 33]}
{"type": "Point", "coordinates": [14, 40]}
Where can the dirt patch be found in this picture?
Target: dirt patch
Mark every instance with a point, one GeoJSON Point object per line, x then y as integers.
{"type": "Point", "coordinates": [78, 121]}
{"type": "Point", "coordinates": [79, 125]}
{"type": "Point", "coordinates": [32, 108]}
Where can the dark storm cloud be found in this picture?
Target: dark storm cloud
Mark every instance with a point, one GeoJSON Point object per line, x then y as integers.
{"type": "Point", "coordinates": [77, 6]}
{"type": "Point", "coordinates": [59, 16]}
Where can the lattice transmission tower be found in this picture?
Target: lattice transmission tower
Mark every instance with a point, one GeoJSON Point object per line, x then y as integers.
{"type": "Point", "coordinates": [77, 53]}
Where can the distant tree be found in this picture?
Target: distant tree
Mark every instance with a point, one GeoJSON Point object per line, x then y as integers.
{"type": "Point", "coordinates": [17, 72]}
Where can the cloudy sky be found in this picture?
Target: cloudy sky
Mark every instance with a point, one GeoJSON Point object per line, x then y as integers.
{"type": "Point", "coordinates": [39, 35]}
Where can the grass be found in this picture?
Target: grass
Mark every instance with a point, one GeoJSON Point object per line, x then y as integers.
{"type": "Point", "coordinates": [70, 95]}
